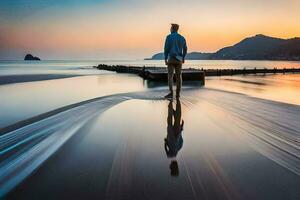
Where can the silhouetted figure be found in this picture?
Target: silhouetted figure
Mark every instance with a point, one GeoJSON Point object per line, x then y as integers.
{"type": "Point", "coordinates": [174, 52]}
{"type": "Point", "coordinates": [174, 141]}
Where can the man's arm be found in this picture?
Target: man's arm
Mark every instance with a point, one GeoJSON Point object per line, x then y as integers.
{"type": "Point", "coordinates": [184, 50]}
{"type": "Point", "coordinates": [166, 50]}
{"type": "Point", "coordinates": [166, 146]}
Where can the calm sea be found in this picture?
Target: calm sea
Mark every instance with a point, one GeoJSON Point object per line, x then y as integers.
{"type": "Point", "coordinates": [86, 67]}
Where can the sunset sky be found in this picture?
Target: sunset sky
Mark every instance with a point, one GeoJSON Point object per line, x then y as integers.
{"type": "Point", "coordinates": [134, 29]}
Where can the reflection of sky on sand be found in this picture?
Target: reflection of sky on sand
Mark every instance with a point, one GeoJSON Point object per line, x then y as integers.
{"type": "Point", "coordinates": [282, 88]}
{"type": "Point", "coordinates": [24, 100]}
{"type": "Point", "coordinates": [226, 153]}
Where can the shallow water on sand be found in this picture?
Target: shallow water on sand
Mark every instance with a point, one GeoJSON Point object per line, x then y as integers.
{"type": "Point", "coordinates": [281, 88]}
{"type": "Point", "coordinates": [234, 147]}
{"type": "Point", "coordinates": [24, 100]}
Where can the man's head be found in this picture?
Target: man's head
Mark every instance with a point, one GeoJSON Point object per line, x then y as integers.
{"type": "Point", "coordinates": [174, 28]}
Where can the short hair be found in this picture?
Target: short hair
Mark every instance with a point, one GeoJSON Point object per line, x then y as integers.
{"type": "Point", "coordinates": [174, 27]}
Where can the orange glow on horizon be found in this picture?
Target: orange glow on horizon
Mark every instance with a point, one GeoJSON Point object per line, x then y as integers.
{"type": "Point", "coordinates": [206, 29]}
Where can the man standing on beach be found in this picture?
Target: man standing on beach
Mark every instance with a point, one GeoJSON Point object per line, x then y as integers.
{"type": "Point", "coordinates": [175, 51]}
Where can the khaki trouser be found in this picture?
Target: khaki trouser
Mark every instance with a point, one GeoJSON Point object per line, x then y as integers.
{"type": "Point", "coordinates": [174, 64]}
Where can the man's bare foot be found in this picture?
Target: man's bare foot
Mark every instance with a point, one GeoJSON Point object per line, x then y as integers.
{"type": "Point", "coordinates": [169, 96]}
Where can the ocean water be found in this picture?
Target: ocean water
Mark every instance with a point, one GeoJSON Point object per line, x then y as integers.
{"type": "Point", "coordinates": [213, 64]}
{"type": "Point", "coordinates": [86, 67]}
{"type": "Point", "coordinates": [48, 67]}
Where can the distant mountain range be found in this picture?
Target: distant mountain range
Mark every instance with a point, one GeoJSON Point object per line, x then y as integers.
{"type": "Point", "coordinates": [259, 47]}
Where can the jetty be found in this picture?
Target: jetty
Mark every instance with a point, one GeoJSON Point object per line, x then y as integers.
{"type": "Point", "coordinates": [159, 74]}
{"type": "Point", "coordinates": [246, 71]}
{"type": "Point", "coordinates": [190, 74]}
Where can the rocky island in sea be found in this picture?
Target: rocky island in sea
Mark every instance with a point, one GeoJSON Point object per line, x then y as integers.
{"type": "Point", "coordinates": [31, 57]}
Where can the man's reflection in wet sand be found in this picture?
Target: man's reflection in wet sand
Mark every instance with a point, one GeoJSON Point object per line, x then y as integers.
{"type": "Point", "coordinates": [174, 141]}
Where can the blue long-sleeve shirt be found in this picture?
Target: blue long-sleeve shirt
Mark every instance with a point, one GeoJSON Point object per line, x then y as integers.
{"type": "Point", "coordinates": [175, 46]}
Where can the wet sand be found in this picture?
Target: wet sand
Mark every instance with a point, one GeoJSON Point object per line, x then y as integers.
{"type": "Point", "coordinates": [234, 147]}
{"type": "Point", "coordinates": [281, 88]}
{"type": "Point", "coordinates": [22, 101]}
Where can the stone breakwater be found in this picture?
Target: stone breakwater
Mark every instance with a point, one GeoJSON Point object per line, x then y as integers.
{"type": "Point", "coordinates": [191, 74]}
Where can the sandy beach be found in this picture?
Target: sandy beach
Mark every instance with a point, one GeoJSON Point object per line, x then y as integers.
{"type": "Point", "coordinates": [92, 136]}
{"type": "Point", "coordinates": [117, 152]}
